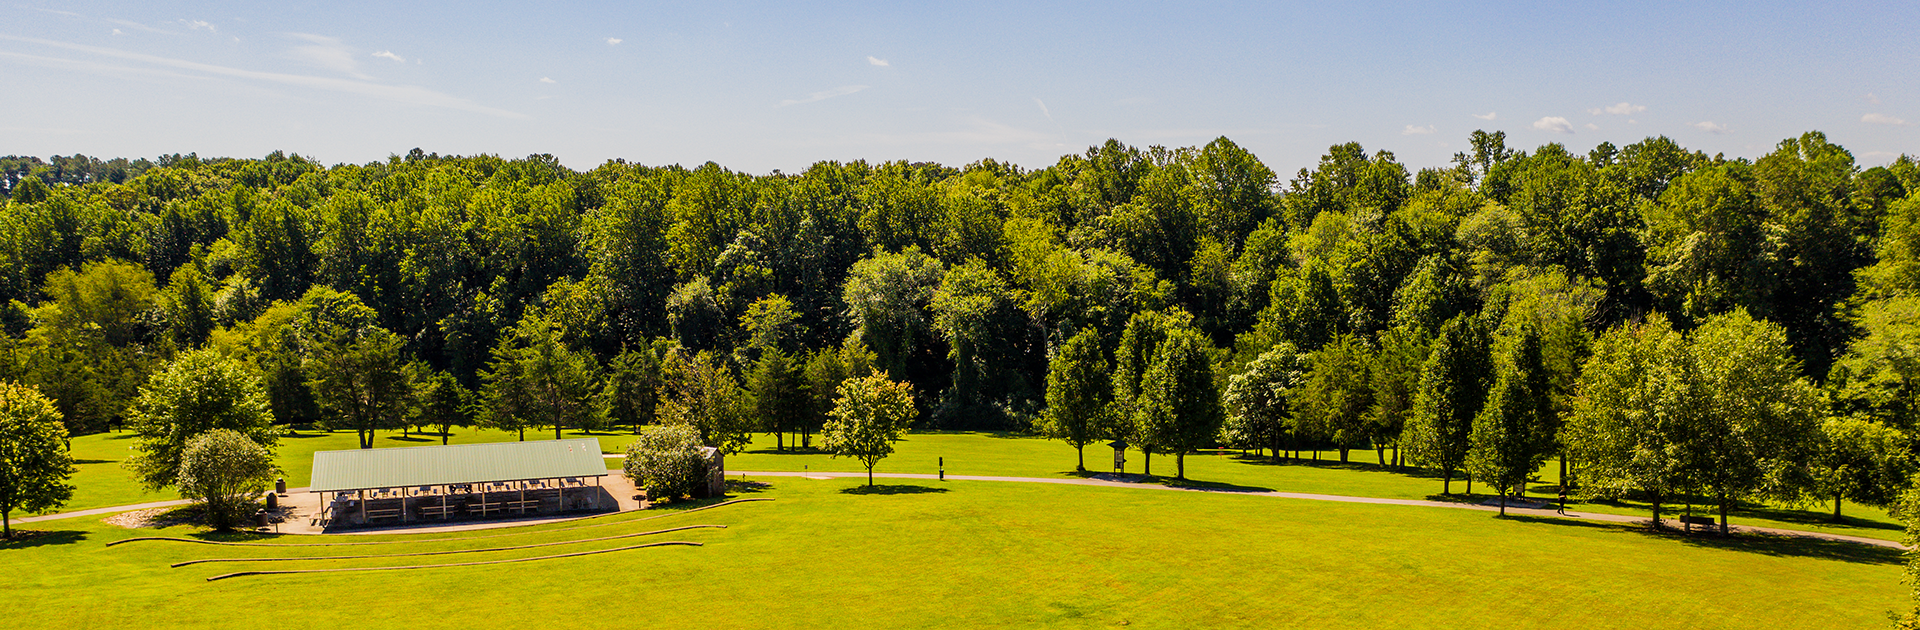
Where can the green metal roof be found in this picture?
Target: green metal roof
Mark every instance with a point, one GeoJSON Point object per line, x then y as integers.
{"type": "Point", "coordinates": [462, 463]}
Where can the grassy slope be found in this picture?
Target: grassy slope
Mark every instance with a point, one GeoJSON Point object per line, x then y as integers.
{"type": "Point", "coordinates": [104, 483]}
{"type": "Point", "coordinates": [989, 454]}
{"type": "Point", "coordinates": [981, 554]}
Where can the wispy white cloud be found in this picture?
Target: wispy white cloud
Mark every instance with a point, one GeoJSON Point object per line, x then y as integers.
{"type": "Point", "coordinates": [1412, 130]}
{"type": "Point", "coordinates": [1621, 109]}
{"type": "Point", "coordinates": [326, 53]}
{"type": "Point", "coordinates": [1554, 124]}
{"type": "Point", "coordinates": [823, 95]}
{"type": "Point", "coordinates": [388, 54]}
{"type": "Point", "coordinates": [1043, 108]}
{"type": "Point", "coordinates": [117, 32]}
{"type": "Point", "coordinates": [547, 80]}
{"type": "Point", "coordinates": [1873, 99]}
{"type": "Point", "coordinates": [95, 67]}
{"type": "Point", "coordinates": [1487, 116]}
{"type": "Point", "coordinates": [1883, 119]}
{"type": "Point", "coordinates": [405, 94]}
{"type": "Point", "coordinates": [198, 25]}
{"type": "Point", "coordinates": [138, 26]}
{"type": "Point", "coordinates": [614, 41]}
{"type": "Point", "coordinates": [872, 60]}
{"type": "Point", "coordinates": [1592, 127]}
{"type": "Point", "coordinates": [1709, 126]}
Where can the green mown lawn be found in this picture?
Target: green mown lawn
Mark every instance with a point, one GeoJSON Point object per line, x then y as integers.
{"type": "Point", "coordinates": [984, 554]}
{"type": "Point", "coordinates": [104, 483]}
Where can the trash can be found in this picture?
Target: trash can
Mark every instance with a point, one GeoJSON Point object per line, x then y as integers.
{"type": "Point", "coordinates": [273, 501]}
{"type": "Point", "coordinates": [280, 486]}
{"type": "Point", "coordinates": [260, 518]}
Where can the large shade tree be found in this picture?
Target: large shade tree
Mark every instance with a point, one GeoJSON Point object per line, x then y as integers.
{"type": "Point", "coordinates": [1078, 390]}
{"type": "Point", "coordinates": [198, 391]}
{"type": "Point", "coordinates": [1179, 407]}
{"type": "Point", "coordinates": [871, 414]}
{"type": "Point", "coordinates": [1453, 388]}
{"type": "Point", "coordinates": [34, 461]}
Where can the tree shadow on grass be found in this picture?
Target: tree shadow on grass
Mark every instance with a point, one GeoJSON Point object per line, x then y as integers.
{"type": "Point", "coordinates": [28, 539]}
{"type": "Point", "coordinates": [79, 462]}
{"type": "Point", "coordinates": [408, 438]}
{"type": "Point", "coordinates": [891, 489]}
{"type": "Point", "coordinates": [736, 486]}
{"type": "Point", "coordinates": [1811, 518]}
{"type": "Point", "coordinates": [791, 450]}
{"type": "Point", "coordinates": [295, 435]}
{"type": "Point", "coordinates": [1411, 472]}
{"type": "Point", "coordinates": [1748, 542]}
{"type": "Point", "coordinates": [1210, 486]}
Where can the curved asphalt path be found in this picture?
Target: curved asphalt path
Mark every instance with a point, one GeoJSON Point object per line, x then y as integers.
{"type": "Point", "coordinates": [1113, 483]}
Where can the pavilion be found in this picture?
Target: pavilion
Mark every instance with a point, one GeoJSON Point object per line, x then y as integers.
{"type": "Point", "coordinates": [403, 485]}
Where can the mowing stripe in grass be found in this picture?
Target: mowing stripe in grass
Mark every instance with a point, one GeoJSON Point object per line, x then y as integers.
{"type": "Point", "coordinates": [428, 540]}
{"type": "Point", "coordinates": [177, 565]}
{"type": "Point", "coordinates": [457, 564]}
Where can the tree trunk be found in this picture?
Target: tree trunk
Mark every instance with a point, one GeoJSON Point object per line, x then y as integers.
{"type": "Point", "coordinates": [556, 430]}
{"type": "Point", "coordinates": [1380, 455]}
{"type": "Point", "coordinates": [779, 441]}
{"type": "Point", "coordinates": [443, 434]}
{"type": "Point", "coordinates": [1082, 466]}
{"type": "Point", "coordinates": [523, 434]}
{"type": "Point", "coordinates": [1656, 511]}
{"type": "Point", "coordinates": [6, 525]}
{"type": "Point", "coordinates": [1503, 503]}
{"type": "Point", "coordinates": [1180, 465]}
{"type": "Point", "coordinates": [1147, 468]}
{"type": "Point", "coordinates": [1446, 482]}
{"type": "Point", "coordinates": [1723, 513]}
{"type": "Point", "coordinates": [1343, 453]}
{"type": "Point", "coordinates": [1469, 485]}
{"type": "Point", "coordinates": [1836, 508]}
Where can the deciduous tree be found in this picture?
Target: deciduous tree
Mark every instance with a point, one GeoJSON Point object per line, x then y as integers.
{"type": "Point", "coordinates": [870, 415]}
{"type": "Point", "coordinates": [34, 462]}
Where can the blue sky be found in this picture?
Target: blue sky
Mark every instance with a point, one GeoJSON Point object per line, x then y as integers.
{"type": "Point", "coordinates": [763, 86]}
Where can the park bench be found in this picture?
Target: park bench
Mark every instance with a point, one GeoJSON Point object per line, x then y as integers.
{"type": "Point", "coordinates": [438, 510]}
{"type": "Point", "coordinates": [1698, 520]}
{"type": "Point", "coordinates": [383, 513]}
{"type": "Point", "coordinates": [484, 509]}
{"type": "Point", "coordinates": [523, 506]}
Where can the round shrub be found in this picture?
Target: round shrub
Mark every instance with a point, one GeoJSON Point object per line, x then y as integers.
{"type": "Point", "coordinates": [666, 461]}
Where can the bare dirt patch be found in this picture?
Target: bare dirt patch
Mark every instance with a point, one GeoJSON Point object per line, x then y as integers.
{"type": "Point", "coordinates": [155, 518]}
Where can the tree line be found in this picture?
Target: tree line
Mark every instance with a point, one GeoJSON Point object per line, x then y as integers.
{"type": "Point", "coordinates": [1480, 318]}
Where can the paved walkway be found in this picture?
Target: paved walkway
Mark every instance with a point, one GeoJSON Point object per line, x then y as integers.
{"type": "Point", "coordinates": [1115, 483]}
{"type": "Point", "coordinates": [1109, 482]}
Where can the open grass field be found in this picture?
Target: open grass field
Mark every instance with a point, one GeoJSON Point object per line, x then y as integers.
{"type": "Point", "coordinates": [101, 482]}
{"type": "Point", "coordinates": [979, 554]}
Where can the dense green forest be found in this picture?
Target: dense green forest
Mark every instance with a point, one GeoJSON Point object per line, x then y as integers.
{"type": "Point", "coordinates": [1318, 306]}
